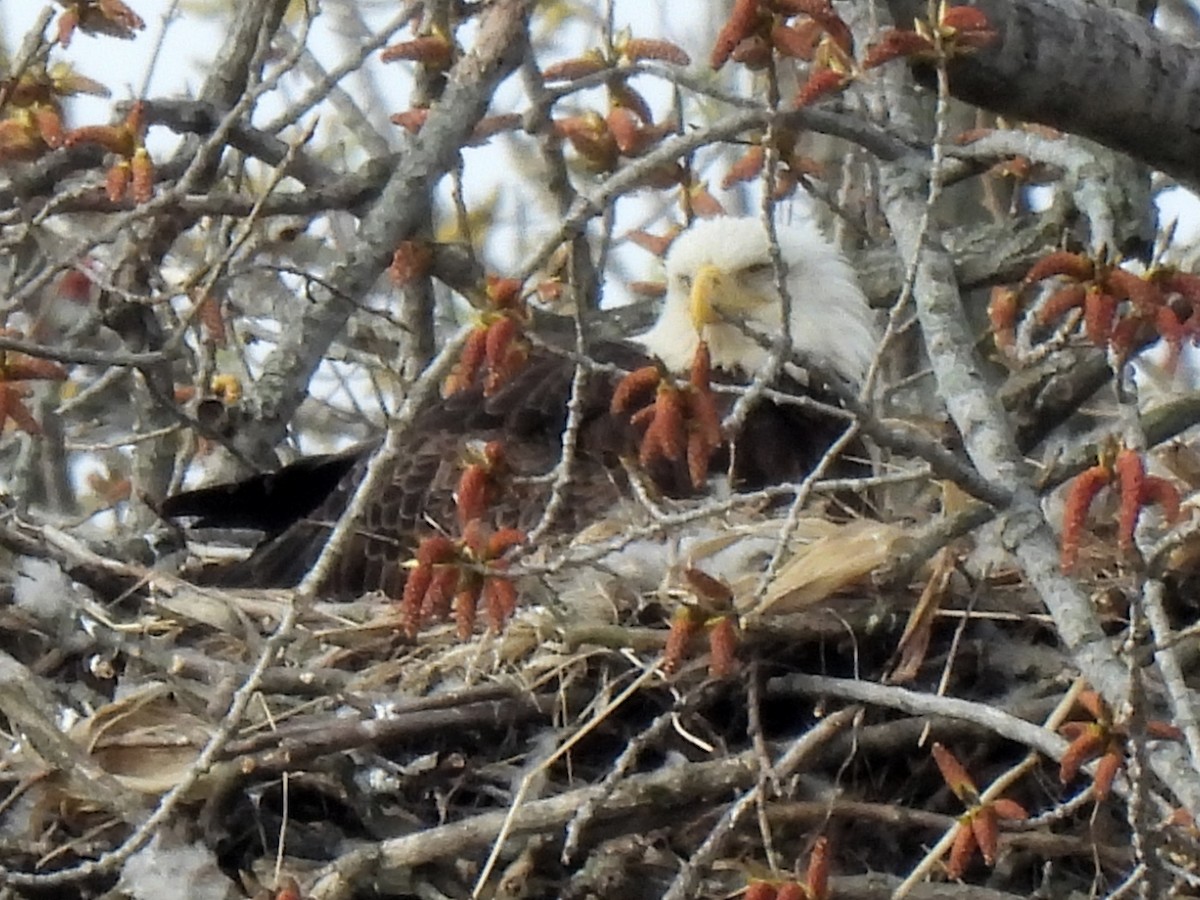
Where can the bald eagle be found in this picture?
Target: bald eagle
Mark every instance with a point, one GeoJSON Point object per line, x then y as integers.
{"type": "Point", "coordinates": [721, 290]}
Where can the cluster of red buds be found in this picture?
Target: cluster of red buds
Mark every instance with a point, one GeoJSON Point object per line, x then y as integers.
{"type": "Point", "coordinates": [687, 623]}
{"type": "Point", "coordinates": [601, 142]}
{"type": "Point", "coordinates": [758, 29]}
{"type": "Point", "coordinates": [681, 422]}
{"type": "Point", "coordinates": [466, 573]}
{"type": "Point", "coordinates": [957, 30]}
{"type": "Point", "coordinates": [110, 17]}
{"type": "Point", "coordinates": [795, 165]}
{"type": "Point", "coordinates": [628, 128]}
{"type": "Point", "coordinates": [133, 172]}
{"type": "Point", "coordinates": [713, 613]}
{"type": "Point", "coordinates": [32, 124]}
{"type": "Point", "coordinates": [813, 30]}
{"type": "Point", "coordinates": [1137, 491]}
{"type": "Point", "coordinates": [1103, 740]}
{"type": "Point", "coordinates": [814, 887]}
{"type": "Point", "coordinates": [1119, 308]}
{"type": "Point", "coordinates": [28, 132]}
{"type": "Point", "coordinates": [479, 483]}
{"type": "Point", "coordinates": [626, 51]}
{"type": "Point", "coordinates": [979, 826]}
{"type": "Point", "coordinates": [16, 371]}
{"type": "Point", "coordinates": [496, 349]}
{"type": "Point", "coordinates": [461, 576]}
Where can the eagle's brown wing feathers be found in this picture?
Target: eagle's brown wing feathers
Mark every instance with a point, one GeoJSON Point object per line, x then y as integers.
{"type": "Point", "coordinates": [777, 443]}
{"type": "Point", "coordinates": [527, 415]}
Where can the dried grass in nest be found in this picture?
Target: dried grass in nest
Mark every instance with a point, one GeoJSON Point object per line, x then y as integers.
{"type": "Point", "coordinates": [436, 762]}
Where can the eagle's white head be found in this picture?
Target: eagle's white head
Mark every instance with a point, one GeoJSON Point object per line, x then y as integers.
{"type": "Point", "coordinates": [721, 286]}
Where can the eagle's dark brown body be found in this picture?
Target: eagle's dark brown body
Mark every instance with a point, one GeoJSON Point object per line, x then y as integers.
{"type": "Point", "coordinates": [298, 506]}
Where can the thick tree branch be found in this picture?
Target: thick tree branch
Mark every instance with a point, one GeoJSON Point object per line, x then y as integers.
{"type": "Point", "coordinates": [1054, 59]}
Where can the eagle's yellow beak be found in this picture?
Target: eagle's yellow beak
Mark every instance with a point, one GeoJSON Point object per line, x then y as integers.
{"type": "Point", "coordinates": [720, 296]}
{"type": "Point", "coordinates": [709, 285]}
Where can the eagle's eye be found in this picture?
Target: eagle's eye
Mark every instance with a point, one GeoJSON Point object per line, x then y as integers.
{"type": "Point", "coordinates": [686, 282]}
{"type": "Point", "coordinates": [760, 268]}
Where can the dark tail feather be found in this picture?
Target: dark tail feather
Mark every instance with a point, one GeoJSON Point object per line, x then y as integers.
{"type": "Point", "coordinates": [268, 502]}
{"type": "Point", "coordinates": [279, 562]}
